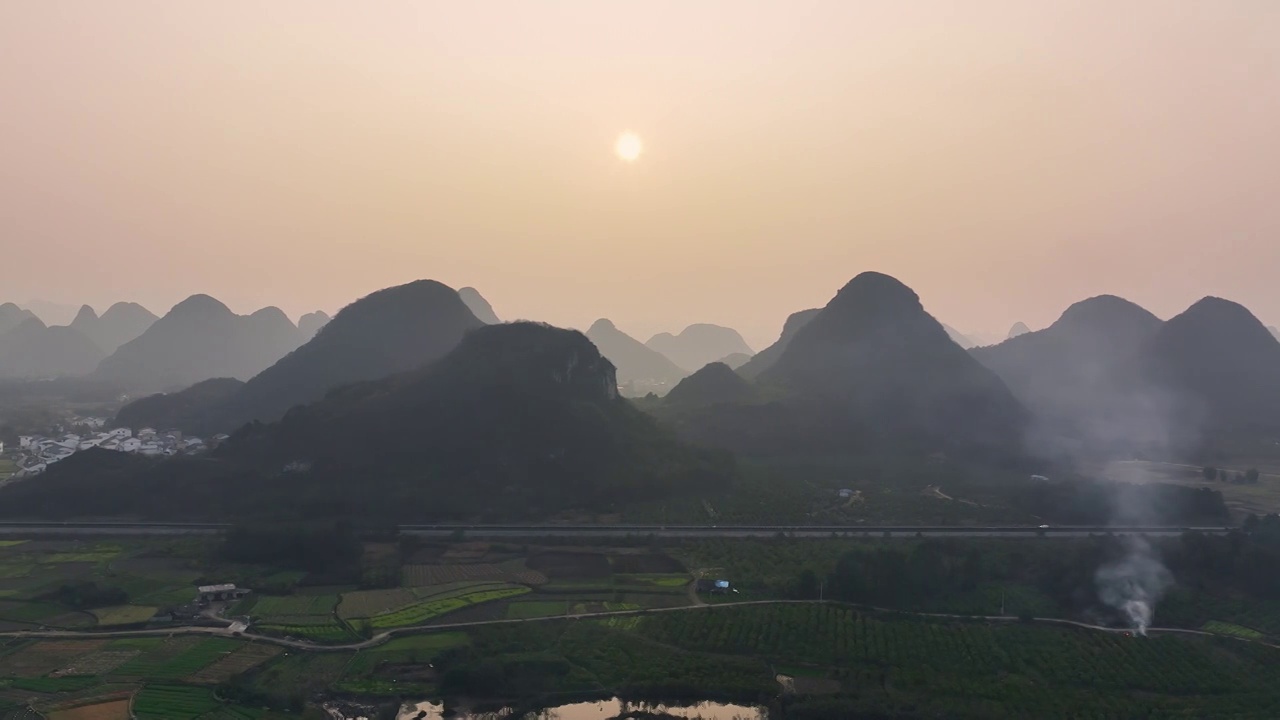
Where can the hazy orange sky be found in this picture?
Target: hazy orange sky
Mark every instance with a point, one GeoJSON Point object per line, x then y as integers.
{"type": "Point", "coordinates": [1004, 158]}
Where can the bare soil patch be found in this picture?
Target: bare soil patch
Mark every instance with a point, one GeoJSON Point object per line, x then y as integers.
{"type": "Point", "coordinates": [110, 710]}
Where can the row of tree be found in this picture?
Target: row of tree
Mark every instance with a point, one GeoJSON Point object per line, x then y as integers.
{"type": "Point", "coordinates": [1248, 477]}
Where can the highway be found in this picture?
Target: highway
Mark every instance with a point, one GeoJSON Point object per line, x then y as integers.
{"type": "Point", "coordinates": [107, 528]}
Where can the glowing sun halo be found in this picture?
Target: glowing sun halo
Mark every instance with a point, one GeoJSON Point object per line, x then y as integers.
{"type": "Point", "coordinates": [628, 147]}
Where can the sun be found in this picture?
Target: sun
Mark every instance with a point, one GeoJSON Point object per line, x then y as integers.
{"type": "Point", "coordinates": [628, 147]}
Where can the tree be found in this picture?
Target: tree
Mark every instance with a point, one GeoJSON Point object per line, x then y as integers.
{"type": "Point", "coordinates": [807, 585]}
{"type": "Point", "coordinates": [1251, 476]}
{"type": "Point", "coordinates": [1210, 472]}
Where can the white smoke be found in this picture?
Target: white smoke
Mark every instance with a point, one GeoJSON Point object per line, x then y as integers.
{"type": "Point", "coordinates": [1134, 583]}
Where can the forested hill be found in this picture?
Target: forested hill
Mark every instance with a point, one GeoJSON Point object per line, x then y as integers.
{"type": "Point", "coordinates": [519, 418]}
{"type": "Point", "coordinates": [390, 331]}
{"type": "Point", "coordinates": [877, 361]}
{"type": "Point", "coordinates": [519, 422]}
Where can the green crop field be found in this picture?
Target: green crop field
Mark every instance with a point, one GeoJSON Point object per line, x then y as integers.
{"type": "Point", "coordinates": [368, 603]}
{"type": "Point", "coordinates": [1034, 671]}
{"type": "Point", "coordinates": [421, 612]}
{"type": "Point", "coordinates": [178, 658]}
{"type": "Point", "coordinates": [330, 632]}
{"type": "Point", "coordinates": [54, 685]}
{"type": "Point", "coordinates": [1222, 628]}
{"type": "Point", "coordinates": [93, 554]}
{"type": "Point", "coordinates": [173, 702]}
{"type": "Point", "coordinates": [417, 649]}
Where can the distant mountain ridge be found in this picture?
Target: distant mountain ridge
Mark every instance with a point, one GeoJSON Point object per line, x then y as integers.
{"type": "Point", "coordinates": [1080, 376]}
{"type": "Point", "coordinates": [1221, 365]}
{"type": "Point", "coordinates": [518, 418]}
{"type": "Point", "coordinates": [33, 350]}
{"type": "Point", "coordinates": [1018, 329]}
{"type": "Point", "coordinates": [639, 367]}
{"type": "Point", "coordinates": [199, 339]}
{"type": "Point", "coordinates": [478, 306]}
{"type": "Point", "coordinates": [519, 421]}
{"type": "Point", "coordinates": [699, 344]}
{"type": "Point", "coordinates": [958, 337]}
{"type": "Point", "coordinates": [11, 316]}
{"type": "Point", "coordinates": [311, 323]}
{"type": "Point", "coordinates": [387, 332]}
{"type": "Point", "coordinates": [765, 359]}
{"type": "Point", "coordinates": [876, 359]}
{"type": "Point", "coordinates": [121, 323]}
{"type": "Point", "coordinates": [716, 383]}
{"type": "Point", "coordinates": [1115, 378]}
{"type": "Point", "coordinates": [735, 360]}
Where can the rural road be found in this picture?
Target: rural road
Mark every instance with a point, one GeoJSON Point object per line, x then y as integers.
{"type": "Point", "coordinates": [620, 531]}
{"type": "Point", "coordinates": [381, 638]}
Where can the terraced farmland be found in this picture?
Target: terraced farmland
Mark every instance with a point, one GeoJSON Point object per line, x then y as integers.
{"type": "Point", "coordinates": [330, 632]}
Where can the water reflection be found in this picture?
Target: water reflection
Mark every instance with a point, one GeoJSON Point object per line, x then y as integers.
{"type": "Point", "coordinates": [614, 709]}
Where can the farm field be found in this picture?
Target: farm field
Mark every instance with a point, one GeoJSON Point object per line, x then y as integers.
{"type": "Point", "coordinates": [123, 615]}
{"type": "Point", "coordinates": [178, 658]}
{"type": "Point", "coordinates": [373, 603]}
{"type": "Point", "coordinates": [1260, 499]}
{"type": "Point", "coordinates": [173, 702]}
{"type": "Point", "coordinates": [291, 605]}
{"type": "Point", "coordinates": [418, 649]}
{"type": "Point", "coordinates": [241, 660]}
{"type": "Point", "coordinates": [983, 658]}
{"type": "Point", "coordinates": [425, 610]}
{"type": "Point", "coordinates": [109, 710]}
{"type": "Point", "coordinates": [329, 632]}
{"type": "Point", "coordinates": [875, 665]}
{"type": "Point", "coordinates": [862, 663]}
{"type": "Point", "coordinates": [512, 571]}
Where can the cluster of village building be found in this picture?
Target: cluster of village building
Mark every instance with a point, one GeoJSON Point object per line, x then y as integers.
{"type": "Point", "coordinates": [35, 453]}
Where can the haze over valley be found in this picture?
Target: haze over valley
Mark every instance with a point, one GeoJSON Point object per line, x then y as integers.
{"type": "Point", "coordinates": [817, 360]}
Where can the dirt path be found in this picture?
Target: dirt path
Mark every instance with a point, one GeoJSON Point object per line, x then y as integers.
{"type": "Point", "coordinates": [381, 638]}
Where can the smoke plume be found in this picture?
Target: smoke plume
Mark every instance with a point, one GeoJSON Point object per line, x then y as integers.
{"type": "Point", "coordinates": [1134, 583]}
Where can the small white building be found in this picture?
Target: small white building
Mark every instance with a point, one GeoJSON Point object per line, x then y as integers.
{"type": "Point", "coordinates": [25, 441]}
{"type": "Point", "coordinates": [121, 433]}
{"type": "Point", "coordinates": [210, 593]}
{"type": "Point", "coordinates": [132, 444]}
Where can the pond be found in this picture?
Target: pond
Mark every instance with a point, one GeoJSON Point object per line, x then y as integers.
{"type": "Point", "coordinates": [614, 709]}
